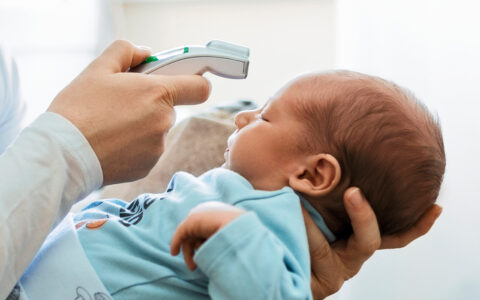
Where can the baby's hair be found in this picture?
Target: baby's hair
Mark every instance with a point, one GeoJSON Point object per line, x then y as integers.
{"type": "Point", "coordinates": [387, 143]}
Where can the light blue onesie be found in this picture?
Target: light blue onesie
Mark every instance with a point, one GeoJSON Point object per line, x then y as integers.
{"type": "Point", "coordinates": [262, 254]}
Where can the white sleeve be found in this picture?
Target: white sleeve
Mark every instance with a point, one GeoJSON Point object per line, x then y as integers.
{"type": "Point", "coordinates": [12, 108]}
{"type": "Point", "coordinates": [49, 167]}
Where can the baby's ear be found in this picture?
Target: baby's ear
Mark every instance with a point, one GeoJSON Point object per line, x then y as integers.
{"type": "Point", "coordinates": [317, 176]}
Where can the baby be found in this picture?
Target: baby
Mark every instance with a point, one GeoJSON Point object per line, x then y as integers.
{"type": "Point", "coordinates": [241, 227]}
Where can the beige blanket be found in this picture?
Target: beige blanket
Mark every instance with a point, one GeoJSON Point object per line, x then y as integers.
{"type": "Point", "coordinates": [195, 145]}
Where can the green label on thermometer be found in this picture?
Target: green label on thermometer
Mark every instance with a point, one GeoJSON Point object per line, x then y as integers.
{"type": "Point", "coordinates": [150, 59]}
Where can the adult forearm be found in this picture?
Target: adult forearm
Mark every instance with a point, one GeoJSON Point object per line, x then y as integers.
{"type": "Point", "coordinates": [48, 168]}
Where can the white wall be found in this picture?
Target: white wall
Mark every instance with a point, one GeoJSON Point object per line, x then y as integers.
{"type": "Point", "coordinates": [285, 37]}
{"type": "Point", "coordinates": [433, 48]}
{"type": "Point", "coordinates": [51, 41]}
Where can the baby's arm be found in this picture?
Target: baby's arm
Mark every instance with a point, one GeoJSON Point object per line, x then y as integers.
{"type": "Point", "coordinates": [203, 221]}
{"type": "Point", "coordinates": [241, 257]}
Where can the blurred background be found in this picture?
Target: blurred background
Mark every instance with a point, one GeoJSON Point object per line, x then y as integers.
{"type": "Point", "coordinates": [431, 47]}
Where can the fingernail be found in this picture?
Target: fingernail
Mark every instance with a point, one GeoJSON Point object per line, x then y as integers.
{"type": "Point", "coordinates": [144, 48]}
{"type": "Point", "coordinates": [356, 198]}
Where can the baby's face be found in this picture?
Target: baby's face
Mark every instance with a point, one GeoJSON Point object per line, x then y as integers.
{"type": "Point", "coordinates": [264, 148]}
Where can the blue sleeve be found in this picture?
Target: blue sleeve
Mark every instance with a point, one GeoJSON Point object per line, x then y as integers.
{"type": "Point", "coordinates": [245, 260]}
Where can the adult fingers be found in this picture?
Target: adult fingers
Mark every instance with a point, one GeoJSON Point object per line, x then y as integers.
{"type": "Point", "coordinates": [184, 89]}
{"type": "Point", "coordinates": [327, 270]}
{"type": "Point", "coordinates": [120, 56]}
{"type": "Point", "coordinates": [324, 264]}
{"type": "Point", "coordinates": [318, 245]}
{"type": "Point", "coordinates": [366, 234]}
{"type": "Point", "coordinates": [140, 53]}
{"type": "Point", "coordinates": [422, 226]}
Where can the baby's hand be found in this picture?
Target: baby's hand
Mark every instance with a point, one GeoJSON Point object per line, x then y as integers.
{"type": "Point", "coordinates": [201, 223]}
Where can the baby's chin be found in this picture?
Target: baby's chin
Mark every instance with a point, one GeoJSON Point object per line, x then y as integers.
{"type": "Point", "coordinates": [226, 165]}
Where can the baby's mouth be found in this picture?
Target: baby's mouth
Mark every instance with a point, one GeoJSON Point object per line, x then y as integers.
{"type": "Point", "coordinates": [225, 154]}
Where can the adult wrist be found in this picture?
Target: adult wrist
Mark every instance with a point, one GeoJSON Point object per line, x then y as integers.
{"type": "Point", "coordinates": [75, 147]}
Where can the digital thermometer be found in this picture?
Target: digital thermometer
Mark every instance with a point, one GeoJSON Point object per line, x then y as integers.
{"type": "Point", "coordinates": [217, 57]}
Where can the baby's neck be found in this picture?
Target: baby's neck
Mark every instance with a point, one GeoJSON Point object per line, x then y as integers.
{"type": "Point", "coordinates": [334, 223]}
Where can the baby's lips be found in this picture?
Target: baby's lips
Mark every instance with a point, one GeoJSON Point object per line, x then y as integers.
{"type": "Point", "coordinates": [225, 155]}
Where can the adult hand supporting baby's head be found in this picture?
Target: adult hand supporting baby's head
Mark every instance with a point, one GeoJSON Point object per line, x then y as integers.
{"type": "Point", "coordinates": [125, 116]}
{"type": "Point", "coordinates": [333, 264]}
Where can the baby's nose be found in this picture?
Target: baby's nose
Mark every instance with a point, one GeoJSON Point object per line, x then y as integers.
{"type": "Point", "coordinates": [243, 118]}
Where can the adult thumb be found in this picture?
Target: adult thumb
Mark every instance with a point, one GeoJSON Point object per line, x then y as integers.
{"type": "Point", "coordinates": [120, 56]}
{"type": "Point", "coordinates": [184, 89]}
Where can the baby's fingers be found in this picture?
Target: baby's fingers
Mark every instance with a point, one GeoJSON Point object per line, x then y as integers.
{"type": "Point", "coordinates": [182, 240]}
{"type": "Point", "coordinates": [178, 239]}
{"type": "Point", "coordinates": [188, 252]}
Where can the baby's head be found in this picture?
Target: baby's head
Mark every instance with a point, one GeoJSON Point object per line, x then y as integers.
{"type": "Point", "coordinates": [325, 132]}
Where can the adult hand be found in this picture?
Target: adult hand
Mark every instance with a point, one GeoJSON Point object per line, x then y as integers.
{"type": "Point", "coordinates": [333, 264]}
{"type": "Point", "coordinates": [125, 116]}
